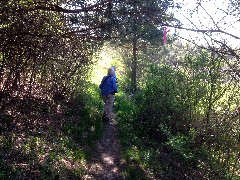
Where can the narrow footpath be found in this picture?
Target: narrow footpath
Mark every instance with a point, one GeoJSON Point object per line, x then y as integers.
{"type": "Point", "coordinates": [106, 162]}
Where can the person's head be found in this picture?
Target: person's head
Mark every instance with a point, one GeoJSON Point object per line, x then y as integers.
{"type": "Point", "coordinates": [114, 67]}
{"type": "Point", "coordinates": [111, 71]}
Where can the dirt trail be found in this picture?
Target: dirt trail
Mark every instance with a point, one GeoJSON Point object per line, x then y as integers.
{"type": "Point", "coordinates": [106, 163]}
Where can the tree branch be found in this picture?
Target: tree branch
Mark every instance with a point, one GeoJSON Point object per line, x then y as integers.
{"type": "Point", "coordinates": [203, 30]}
{"type": "Point", "coordinates": [56, 8]}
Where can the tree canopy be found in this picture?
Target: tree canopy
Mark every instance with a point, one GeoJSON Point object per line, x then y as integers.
{"type": "Point", "coordinates": [178, 105]}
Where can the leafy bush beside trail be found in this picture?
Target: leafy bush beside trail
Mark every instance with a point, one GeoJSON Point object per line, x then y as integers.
{"type": "Point", "coordinates": [161, 134]}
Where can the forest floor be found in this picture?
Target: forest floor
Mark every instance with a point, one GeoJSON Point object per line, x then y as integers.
{"type": "Point", "coordinates": [37, 142]}
{"type": "Point", "coordinates": [106, 162]}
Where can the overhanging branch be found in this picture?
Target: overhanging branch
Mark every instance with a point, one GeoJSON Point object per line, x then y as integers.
{"type": "Point", "coordinates": [203, 30]}
{"type": "Point", "coordinates": [56, 8]}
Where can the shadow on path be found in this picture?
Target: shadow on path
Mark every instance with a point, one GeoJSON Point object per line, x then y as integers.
{"type": "Point", "coordinates": [106, 162]}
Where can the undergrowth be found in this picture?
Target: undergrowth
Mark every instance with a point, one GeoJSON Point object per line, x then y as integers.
{"type": "Point", "coordinates": [169, 155]}
{"type": "Point", "coordinates": [49, 140]}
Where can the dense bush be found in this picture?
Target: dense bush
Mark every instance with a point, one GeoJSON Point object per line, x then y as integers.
{"type": "Point", "coordinates": [190, 111]}
{"type": "Point", "coordinates": [165, 101]}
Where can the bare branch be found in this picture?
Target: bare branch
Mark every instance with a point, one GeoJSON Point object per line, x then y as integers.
{"type": "Point", "coordinates": [203, 30]}
{"type": "Point", "coordinates": [209, 16]}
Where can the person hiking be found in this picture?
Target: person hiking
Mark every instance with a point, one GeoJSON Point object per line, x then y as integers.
{"type": "Point", "coordinates": [108, 88]}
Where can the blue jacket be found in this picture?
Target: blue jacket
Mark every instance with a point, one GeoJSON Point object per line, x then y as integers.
{"type": "Point", "coordinates": [108, 85]}
{"type": "Point", "coordinates": [115, 77]}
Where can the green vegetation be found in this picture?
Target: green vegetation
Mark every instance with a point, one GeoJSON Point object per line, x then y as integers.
{"type": "Point", "coordinates": [50, 144]}
{"type": "Point", "coordinates": [173, 127]}
{"type": "Point", "coordinates": [178, 106]}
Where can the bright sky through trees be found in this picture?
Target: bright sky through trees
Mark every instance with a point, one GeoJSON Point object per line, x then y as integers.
{"type": "Point", "coordinates": [208, 15]}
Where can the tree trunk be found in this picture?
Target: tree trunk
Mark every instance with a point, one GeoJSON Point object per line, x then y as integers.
{"type": "Point", "coordinates": [134, 65]}
{"type": "Point", "coordinates": [32, 79]}
{"type": "Point", "coordinates": [134, 50]}
{"type": "Point", "coordinates": [212, 88]}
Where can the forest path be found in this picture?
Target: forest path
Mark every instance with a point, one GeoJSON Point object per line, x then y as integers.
{"type": "Point", "coordinates": [106, 162]}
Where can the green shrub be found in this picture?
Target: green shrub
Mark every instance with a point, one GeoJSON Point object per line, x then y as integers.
{"type": "Point", "coordinates": [164, 101]}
